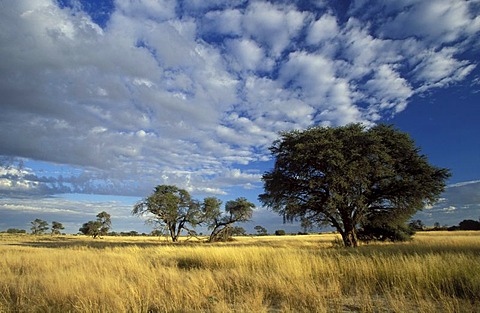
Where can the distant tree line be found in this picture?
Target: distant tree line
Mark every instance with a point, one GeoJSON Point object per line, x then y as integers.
{"type": "Point", "coordinates": [465, 225]}
{"type": "Point", "coordinates": [15, 231]}
{"type": "Point", "coordinates": [468, 224]}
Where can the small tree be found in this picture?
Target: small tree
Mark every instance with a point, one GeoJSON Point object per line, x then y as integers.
{"type": "Point", "coordinates": [91, 228]}
{"type": "Point", "coordinates": [105, 220]}
{"type": "Point", "coordinates": [261, 231]}
{"type": "Point", "coordinates": [239, 210]}
{"type": "Point", "coordinates": [97, 228]}
{"type": "Point", "coordinates": [416, 225]}
{"type": "Point", "coordinates": [279, 232]}
{"type": "Point", "coordinates": [157, 233]}
{"type": "Point", "coordinates": [39, 227]}
{"type": "Point", "coordinates": [56, 228]}
{"type": "Point", "coordinates": [238, 231]}
{"type": "Point", "coordinates": [170, 207]}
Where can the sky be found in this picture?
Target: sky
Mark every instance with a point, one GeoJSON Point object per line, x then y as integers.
{"type": "Point", "coordinates": [103, 100]}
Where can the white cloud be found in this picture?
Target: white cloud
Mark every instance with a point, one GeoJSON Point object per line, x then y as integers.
{"type": "Point", "coordinates": [324, 28]}
{"type": "Point", "coordinates": [72, 213]}
{"type": "Point", "coordinates": [247, 54]}
{"type": "Point", "coordinates": [389, 90]}
{"type": "Point", "coordinates": [450, 209]}
{"type": "Point", "coordinates": [461, 184]}
{"type": "Point", "coordinates": [14, 180]}
{"type": "Point", "coordinates": [177, 92]}
{"type": "Point", "coordinates": [273, 25]}
{"type": "Point", "coordinates": [158, 10]}
{"type": "Point", "coordinates": [459, 201]}
{"type": "Point", "coordinates": [443, 21]}
{"type": "Point", "coordinates": [441, 68]}
{"type": "Point", "coordinates": [314, 73]}
{"type": "Point", "coordinates": [226, 22]}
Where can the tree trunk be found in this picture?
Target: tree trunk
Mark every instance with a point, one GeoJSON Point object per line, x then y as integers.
{"type": "Point", "coordinates": [213, 234]}
{"type": "Point", "coordinates": [171, 229]}
{"type": "Point", "coordinates": [349, 237]}
{"type": "Point", "coordinates": [348, 232]}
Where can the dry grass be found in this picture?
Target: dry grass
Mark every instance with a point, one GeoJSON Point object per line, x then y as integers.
{"type": "Point", "coordinates": [436, 272]}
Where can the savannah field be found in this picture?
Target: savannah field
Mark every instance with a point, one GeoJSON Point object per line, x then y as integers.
{"type": "Point", "coordinates": [436, 272]}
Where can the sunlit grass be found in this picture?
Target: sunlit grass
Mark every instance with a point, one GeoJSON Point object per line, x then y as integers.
{"type": "Point", "coordinates": [436, 272]}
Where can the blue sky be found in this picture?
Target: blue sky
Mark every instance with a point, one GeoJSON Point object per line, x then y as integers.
{"type": "Point", "coordinates": [103, 100]}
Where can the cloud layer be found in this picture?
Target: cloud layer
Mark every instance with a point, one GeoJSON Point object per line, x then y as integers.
{"type": "Point", "coordinates": [459, 202]}
{"type": "Point", "coordinates": [147, 92]}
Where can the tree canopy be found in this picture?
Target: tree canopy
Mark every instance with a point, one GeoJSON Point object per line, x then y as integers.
{"type": "Point", "coordinates": [238, 210]}
{"type": "Point", "coordinates": [261, 231]}
{"type": "Point", "coordinates": [348, 176]}
{"type": "Point", "coordinates": [56, 228]}
{"type": "Point", "coordinates": [175, 210]}
{"type": "Point", "coordinates": [170, 207]}
{"type": "Point", "coordinates": [98, 227]}
{"type": "Point", "coordinates": [39, 226]}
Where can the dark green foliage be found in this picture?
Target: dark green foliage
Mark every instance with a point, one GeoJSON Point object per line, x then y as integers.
{"type": "Point", "coordinates": [91, 228]}
{"type": "Point", "coordinates": [346, 176]}
{"type": "Point", "coordinates": [16, 231]}
{"type": "Point", "coordinates": [174, 210]}
{"type": "Point", "coordinates": [39, 227]}
{"type": "Point", "coordinates": [416, 225]}
{"type": "Point", "coordinates": [131, 233]}
{"type": "Point", "coordinates": [261, 231]}
{"type": "Point", "coordinates": [469, 225]}
{"type": "Point", "coordinates": [221, 223]}
{"type": "Point", "coordinates": [56, 228]}
{"type": "Point", "coordinates": [306, 224]}
{"type": "Point", "coordinates": [384, 229]}
{"type": "Point", "coordinates": [171, 208]}
{"type": "Point", "coordinates": [279, 232]}
{"type": "Point", "coordinates": [238, 231]}
{"type": "Point", "coordinates": [97, 228]}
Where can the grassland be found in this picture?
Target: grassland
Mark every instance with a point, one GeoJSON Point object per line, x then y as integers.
{"type": "Point", "coordinates": [436, 272]}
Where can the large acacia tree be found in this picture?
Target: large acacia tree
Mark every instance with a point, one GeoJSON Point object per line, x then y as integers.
{"type": "Point", "coordinates": [172, 208]}
{"type": "Point", "coordinates": [348, 176]}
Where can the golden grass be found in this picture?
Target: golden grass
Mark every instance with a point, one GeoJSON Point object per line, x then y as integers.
{"type": "Point", "coordinates": [436, 272]}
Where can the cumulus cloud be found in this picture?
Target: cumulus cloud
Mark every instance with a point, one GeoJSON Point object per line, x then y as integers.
{"type": "Point", "coordinates": [248, 55]}
{"type": "Point", "coordinates": [185, 92]}
{"type": "Point", "coordinates": [323, 29]}
{"type": "Point", "coordinates": [273, 25]}
{"type": "Point", "coordinates": [441, 68]}
{"type": "Point", "coordinates": [422, 19]}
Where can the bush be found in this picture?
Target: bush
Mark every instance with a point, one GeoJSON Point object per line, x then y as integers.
{"type": "Point", "coordinates": [469, 225]}
{"type": "Point", "coordinates": [385, 233]}
{"type": "Point", "coordinates": [279, 232]}
{"type": "Point", "coordinates": [16, 231]}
